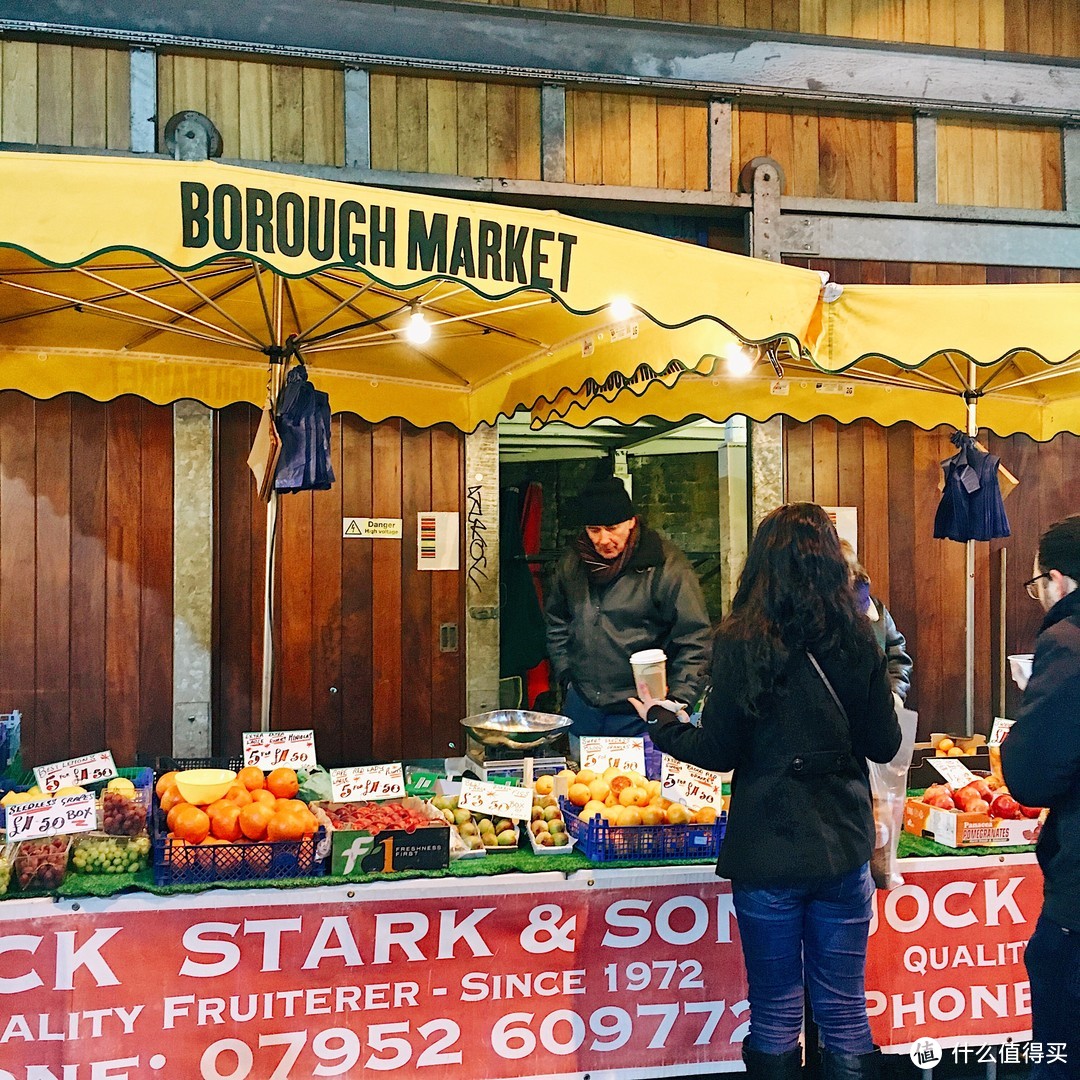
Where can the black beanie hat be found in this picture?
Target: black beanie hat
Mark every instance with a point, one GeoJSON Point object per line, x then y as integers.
{"type": "Point", "coordinates": [603, 501]}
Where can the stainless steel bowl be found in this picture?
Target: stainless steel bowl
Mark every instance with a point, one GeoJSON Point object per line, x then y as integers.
{"type": "Point", "coordinates": [517, 728]}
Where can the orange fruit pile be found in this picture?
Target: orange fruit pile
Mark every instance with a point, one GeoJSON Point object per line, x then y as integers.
{"type": "Point", "coordinates": [257, 807]}
{"type": "Point", "coordinates": [627, 798]}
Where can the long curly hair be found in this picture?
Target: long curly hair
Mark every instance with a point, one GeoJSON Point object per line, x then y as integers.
{"type": "Point", "coordinates": [795, 595]}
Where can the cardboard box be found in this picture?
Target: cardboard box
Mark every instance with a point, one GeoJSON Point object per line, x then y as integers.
{"type": "Point", "coordinates": [968, 830]}
{"type": "Point", "coordinates": [358, 851]}
{"type": "Point", "coordinates": [922, 775]}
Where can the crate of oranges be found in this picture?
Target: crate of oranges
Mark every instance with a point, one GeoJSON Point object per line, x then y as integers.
{"type": "Point", "coordinates": [224, 825]}
{"type": "Point", "coordinates": [617, 815]}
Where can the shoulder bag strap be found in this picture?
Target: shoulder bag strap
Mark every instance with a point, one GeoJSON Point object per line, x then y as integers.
{"type": "Point", "coordinates": [828, 686]}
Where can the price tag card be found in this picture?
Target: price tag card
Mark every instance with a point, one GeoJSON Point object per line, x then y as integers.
{"type": "Point", "coordinates": [497, 800]}
{"type": "Point", "coordinates": [361, 783]}
{"type": "Point", "coordinates": [687, 784]}
{"type": "Point", "coordinates": [52, 817]}
{"type": "Point", "coordinates": [999, 731]}
{"type": "Point", "coordinates": [954, 772]}
{"type": "Point", "coordinates": [620, 752]}
{"type": "Point", "coordinates": [274, 749]}
{"type": "Point", "coordinates": [76, 771]}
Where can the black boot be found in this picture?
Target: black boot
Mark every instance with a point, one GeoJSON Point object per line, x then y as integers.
{"type": "Point", "coordinates": [761, 1066]}
{"type": "Point", "coordinates": [851, 1066]}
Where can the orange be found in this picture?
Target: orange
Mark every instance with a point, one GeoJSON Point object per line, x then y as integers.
{"type": "Point", "coordinates": [261, 795]}
{"type": "Point", "coordinates": [619, 782]}
{"type": "Point", "coordinates": [579, 794]}
{"type": "Point", "coordinates": [238, 794]}
{"type": "Point", "coordinates": [254, 818]}
{"type": "Point", "coordinates": [170, 818]}
{"type": "Point", "coordinates": [285, 825]}
{"type": "Point", "coordinates": [165, 781]}
{"type": "Point", "coordinates": [214, 807]}
{"type": "Point", "coordinates": [191, 824]}
{"type": "Point", "coordinates": [251, 777]}
{"type": "Point", "coordinates": [225, 824]}
{"type": "Point", "coordinates": [283, 783]}
{"type": "Point", "coordinates": [652, 815]}
{"type": "Point", "coordinates": [706, 815]}
{"type": "Point", "coordinates": [170, 797]}
{"type": "Point", "coordinates": [290, 804]}
{"type": "Point", "coordinates": [677, 814]}
{"type": "Point", "coordinates": [311, 822]}
{"type": "Point", "coordinates": [257, 856]}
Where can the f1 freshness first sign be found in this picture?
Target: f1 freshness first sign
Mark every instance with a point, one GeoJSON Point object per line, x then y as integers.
{"type": "Point", "coordinates": [276, 749]}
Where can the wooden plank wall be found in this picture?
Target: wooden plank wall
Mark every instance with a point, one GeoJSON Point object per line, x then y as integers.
{"type": "Point", "coordinates": [353, 615]}
{"type": "Point", "coordinates": [455, 126]}
{"type": "Point", "coordinates": [830, 155]}
{"type": "Point", "coordinates": [64, 95]}
{"type": "Point", "coordinates": [86, 574]}
{"type": "Point", "coordinates": [891, 475]}
{"type": "Point", "coordinates": [265, 112]}
{"type": "Point", "coordinates": [981, 164]}
{"type": "Point", "coordinates": [1041, 27]}
{"type": "Point", "coordinates": [637, 139]}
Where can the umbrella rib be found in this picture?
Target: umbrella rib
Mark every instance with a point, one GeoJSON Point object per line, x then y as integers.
{"type": "Point", "coordinates": [114, 295]}
{"type": "Point", "coordinates": [1010, 363]}
{"type": "Point", "coordinates": [856, 374]}
{"type": "Point", "coordinates": [335, 345]}
{"type": "Point", "coordinates": [123, 316]}
{"type": "Point", "coordinates": [1070, 367]}
{"type": "Point", "coordinates": [262, 297]}
{"type": "Point", "coordinates": [135, 294]}
{"type": "Point", "coordinates": [209, 300]}
{"type": "Point", "coordinates": [150, 335]}
{"type": "Point", "coordinates": [961, 378]}
{"type": "Point", "coordinates": [346, 303]}
{"type": "Point", "coordinates": [292, 305]}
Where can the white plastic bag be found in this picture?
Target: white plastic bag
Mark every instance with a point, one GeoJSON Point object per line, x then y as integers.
{"type": "Point", "coordinates": [888, 785]}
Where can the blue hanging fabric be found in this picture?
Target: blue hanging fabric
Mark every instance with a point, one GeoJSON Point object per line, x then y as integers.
{"type": "Point", "coordinates": [303, 422]}
{"type": "Point", "coordinates": [971, 506]}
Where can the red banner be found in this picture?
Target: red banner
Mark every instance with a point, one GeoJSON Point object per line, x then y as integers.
{"type": "Point", "coordinates": [946, 955]}
{"type": "Point", "coordinates": [492, 983]}
{"type": "Point", "coordinates": [539, 976]}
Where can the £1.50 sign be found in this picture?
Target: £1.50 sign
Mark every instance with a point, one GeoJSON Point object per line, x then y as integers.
{"type": "Point", "coordinates": [277, 749]}
{"type": "Point", "coordinates": [622, 752]}
{"type": "Point", "coordinates": [88, 769]}
{"type": "Point", "coordinates": [686, 783]}
{"type": "Point", "coordinates": [362, 782]}
{"type": "Point", "coordinates": [52, 817]}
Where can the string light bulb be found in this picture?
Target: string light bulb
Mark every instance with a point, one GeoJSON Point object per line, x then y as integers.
{"type": "Point", "coordinates": [621, 309]}
{"type": "Point", "coordinates": [738, 360]}
{"type": "Point", "coordinates": [417, 329]}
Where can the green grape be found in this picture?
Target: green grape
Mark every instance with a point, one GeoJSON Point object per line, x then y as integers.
{"type": "Point", "coordinates": [97, 854]}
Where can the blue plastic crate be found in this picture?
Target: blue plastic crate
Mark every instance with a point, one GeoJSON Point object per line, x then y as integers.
{"type": "Point", "coordinates": [600, 841]}
{"type": "Point", "coordinates": [199, 864]}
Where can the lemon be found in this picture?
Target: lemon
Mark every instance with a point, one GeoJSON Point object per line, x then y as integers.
{"type": "Point", "coordinates": [122, 785]}
{"type": "Point", "coordinates": [71, 789]}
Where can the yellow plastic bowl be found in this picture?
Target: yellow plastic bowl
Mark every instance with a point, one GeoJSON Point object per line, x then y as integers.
{"type": "Point", "coordinates": [202, 786]}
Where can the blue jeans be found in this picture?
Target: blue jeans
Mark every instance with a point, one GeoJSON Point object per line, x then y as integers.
{"type": "Point", "coordinates": [813, 932]}
{"type": "Point", "coordinates": [1053, 963]}
{"type": "Point", "coordinates": [588, 720]}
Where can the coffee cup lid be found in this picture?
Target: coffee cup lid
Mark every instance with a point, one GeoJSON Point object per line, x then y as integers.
{"type": "Point", "coordinates": [649, 656]}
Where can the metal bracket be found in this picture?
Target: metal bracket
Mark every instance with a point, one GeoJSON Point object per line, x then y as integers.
{"type": "Point", "coordinates": [764, 179]}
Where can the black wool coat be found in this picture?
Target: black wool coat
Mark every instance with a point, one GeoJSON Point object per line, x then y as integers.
{"type": "Point", "coordinates": [800, 797]}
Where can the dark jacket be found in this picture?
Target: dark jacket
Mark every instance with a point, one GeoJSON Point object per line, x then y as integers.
{"type": "Point", "coordinates": [800, 797]}
{"type": "Point", "coordinates": [1041, 756]}
{"type": "Point", "coordinates": [894, 645]}
{"type": "Point", "coordinates": [655, 603]}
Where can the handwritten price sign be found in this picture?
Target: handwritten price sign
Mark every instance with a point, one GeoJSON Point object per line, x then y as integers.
{"type": "Point", "coordinates": [363, 782]}
{"type": "Point", "coordinates": [687, 784]}
{"type": "Point", "coordinates": [276, 749]}
{"type": "Point", "coordinates": [76, 771]}
{"type": "Point", "coordinates": [496, 799]}
{"type": "Point", "coordinates": [621, 752]}
{"type": "Point", "coordinates": [955, 773]}
{"type": "Point", "coordinates": [52, 817]}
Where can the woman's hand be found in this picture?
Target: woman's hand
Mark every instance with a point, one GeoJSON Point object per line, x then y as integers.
{"type": "Point", "coordinates": [643, 704]}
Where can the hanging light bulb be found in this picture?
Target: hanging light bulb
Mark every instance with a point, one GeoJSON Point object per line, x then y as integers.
{"type": "Point", "coordinates": [738, 359]}
{"type": "Point", "coordinates": [621, 309]}
{"type": "Point", "coordinates": [417, 329]}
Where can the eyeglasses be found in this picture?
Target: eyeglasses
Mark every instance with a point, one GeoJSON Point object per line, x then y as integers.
{"type": "Point", "coordinates": [1032, 585]}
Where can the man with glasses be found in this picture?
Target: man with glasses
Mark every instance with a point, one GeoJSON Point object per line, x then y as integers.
{"type": "Point", "coordinates": [1041, 762]}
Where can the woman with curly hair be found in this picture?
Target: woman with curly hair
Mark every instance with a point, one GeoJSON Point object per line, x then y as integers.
{"type": "Point", "coordinates": [800, 699]}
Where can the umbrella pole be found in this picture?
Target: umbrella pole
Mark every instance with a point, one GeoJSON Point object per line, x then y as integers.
{"type": "Point", "coordinates": [268, 614]}
{"type": "Point", "coordinates": [969, 636]}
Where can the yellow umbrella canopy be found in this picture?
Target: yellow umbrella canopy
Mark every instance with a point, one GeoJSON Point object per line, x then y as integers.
{"type": "Point", "coordinates": [183, 279]}
{"type": "Point", "coordinates": [889, 353]}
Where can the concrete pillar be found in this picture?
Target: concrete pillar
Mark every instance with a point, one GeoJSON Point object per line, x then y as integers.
{"type": "Point", "coordinates": [193, 576]}
{"type": "Point", "coordinates": [482, 570]}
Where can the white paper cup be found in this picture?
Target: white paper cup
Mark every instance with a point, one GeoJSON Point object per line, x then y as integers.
{"type": "Point", "coordinates": [1020, 668]}
{"type": "Point", "coordinates": [650, 673]}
